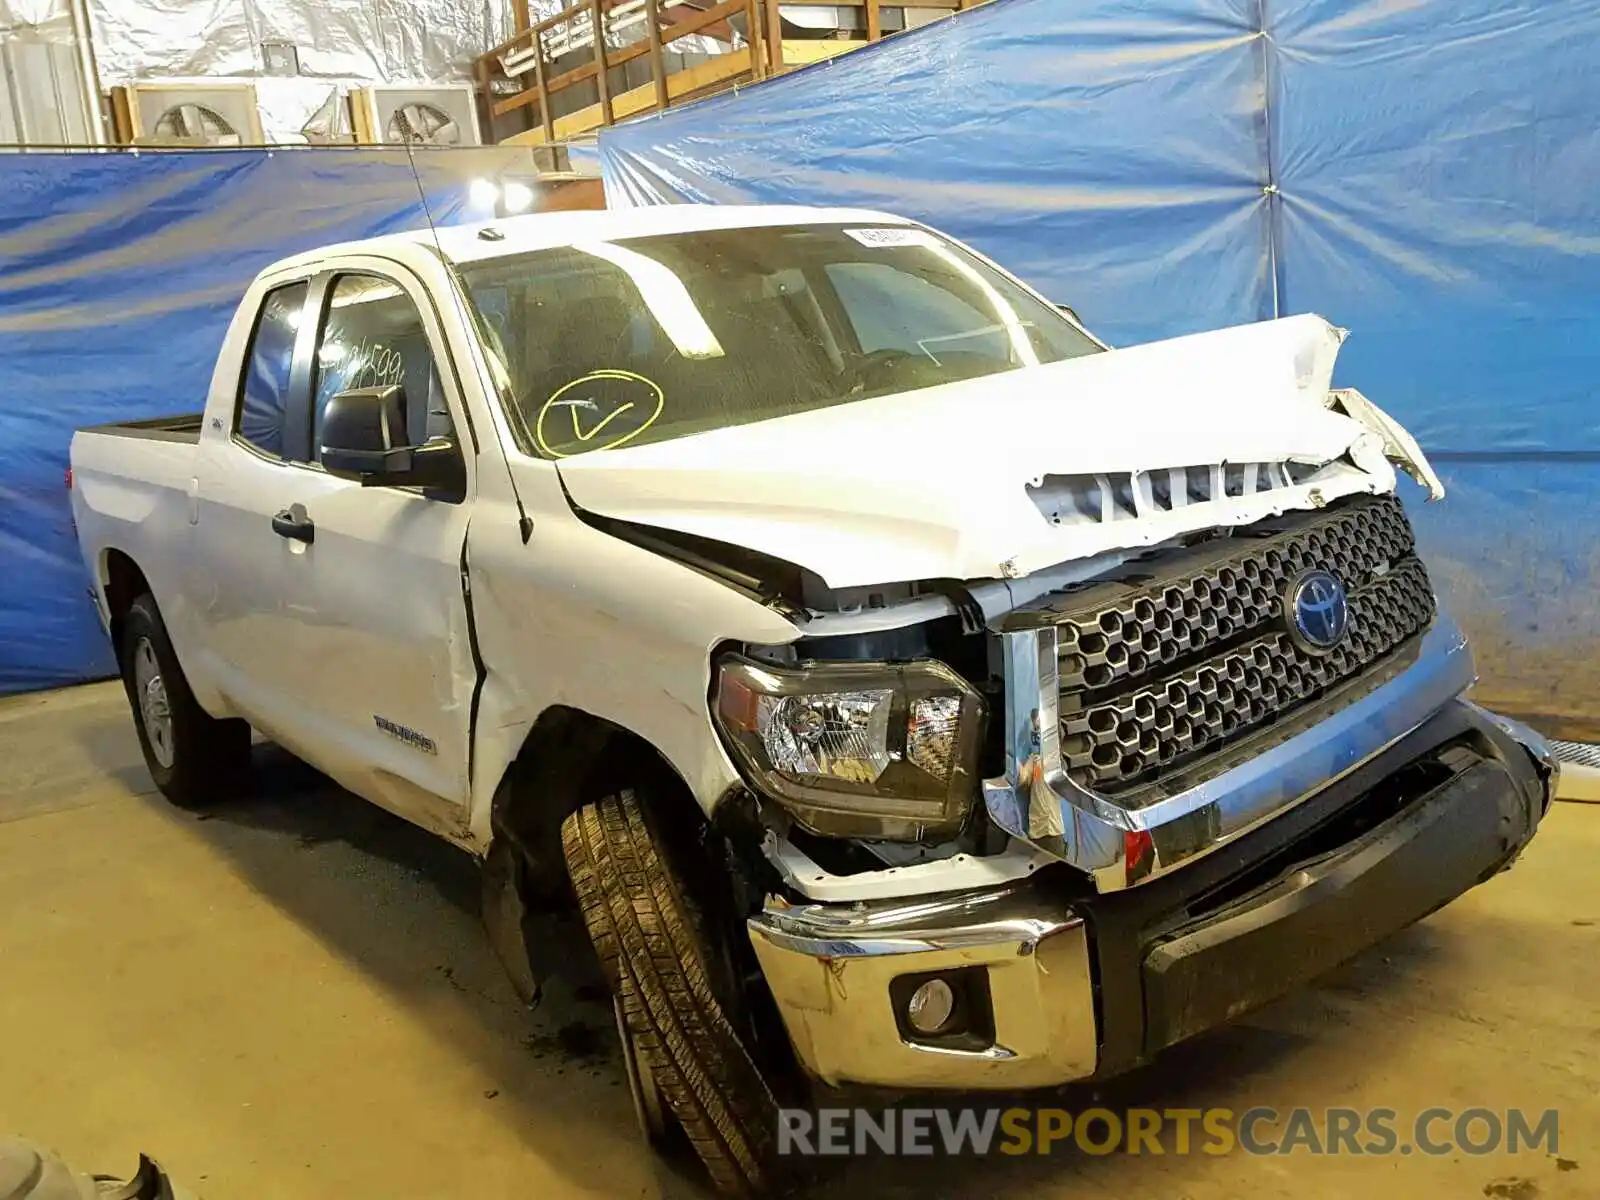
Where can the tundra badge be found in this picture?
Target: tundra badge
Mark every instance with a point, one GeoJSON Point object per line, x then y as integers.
{"type": "Point", "coordinates": [418, 741]}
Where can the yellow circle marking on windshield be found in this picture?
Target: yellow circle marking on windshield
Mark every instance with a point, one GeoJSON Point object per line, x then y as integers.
{"type": "Point", "coordinates": [592, 439]}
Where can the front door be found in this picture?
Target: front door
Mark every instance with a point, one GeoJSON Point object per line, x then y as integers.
{"type": "Point", "coordinates": [376, 645]}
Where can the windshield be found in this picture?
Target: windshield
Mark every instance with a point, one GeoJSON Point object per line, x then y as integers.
{"type": "Point", "coordinates": [640, 340]}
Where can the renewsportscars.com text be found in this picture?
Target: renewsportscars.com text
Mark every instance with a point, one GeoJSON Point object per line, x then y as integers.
{"type": "Point", "coordinates": [1211, 1131]}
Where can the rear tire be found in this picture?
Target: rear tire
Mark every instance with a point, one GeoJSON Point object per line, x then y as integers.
{"type": "Point", "coordinates": [655, 954]}
{"type": "Point", "coordinates": [194, 758]}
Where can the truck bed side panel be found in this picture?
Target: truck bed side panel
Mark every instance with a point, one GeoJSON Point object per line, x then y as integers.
{"type": "Point", "coordinates": [133, 495]}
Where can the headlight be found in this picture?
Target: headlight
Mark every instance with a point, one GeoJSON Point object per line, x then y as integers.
{"type": "Point", "coordinates": [877, 750]}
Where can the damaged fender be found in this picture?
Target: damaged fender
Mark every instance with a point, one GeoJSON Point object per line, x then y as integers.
{"type": "Point", "coordinates": [1399, 447]}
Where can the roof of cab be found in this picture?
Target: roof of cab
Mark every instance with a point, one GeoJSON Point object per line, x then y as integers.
{"type": "Point", "coordinates": [538, 231]}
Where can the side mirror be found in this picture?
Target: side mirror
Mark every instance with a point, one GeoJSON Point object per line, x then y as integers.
{"type": "Point", "coordinates": [1071, 312]}
{"type": "Point", "coordinates": [364, 438]}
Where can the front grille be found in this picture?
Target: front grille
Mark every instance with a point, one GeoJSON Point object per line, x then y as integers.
{"type": "Point", "coordinates": [1175, 658]}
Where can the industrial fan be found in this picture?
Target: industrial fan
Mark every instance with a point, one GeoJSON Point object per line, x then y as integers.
{"type": "Point", "coordinates": [423, 124]}
{"type": "Point", "coordinates": [184, 123]}
{"type": "Point", "coordinates": [173, 113]}
{"type": "Point", "coordinates": [417, 115]}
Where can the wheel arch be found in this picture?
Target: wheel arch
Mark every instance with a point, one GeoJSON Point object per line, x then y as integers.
{"type": "Point", "coordinates": [571, 757]}
{"type": "Point", "coordinates": [121, 583]}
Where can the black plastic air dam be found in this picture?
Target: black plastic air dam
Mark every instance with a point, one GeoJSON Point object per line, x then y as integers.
{"type": "Point", "coordinates": [1170, 961]}
{"type": "Point", "coordinates": [1322, 914]}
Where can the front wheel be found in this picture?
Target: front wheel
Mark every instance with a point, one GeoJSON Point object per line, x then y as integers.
{"type": "Point", "coordinates": [678, 1042]}
{"type": "Point", "coordinates": [194, 758]}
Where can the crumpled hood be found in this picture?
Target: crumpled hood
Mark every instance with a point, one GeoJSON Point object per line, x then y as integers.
{"type": "Point", "coordinates": [935, 483]}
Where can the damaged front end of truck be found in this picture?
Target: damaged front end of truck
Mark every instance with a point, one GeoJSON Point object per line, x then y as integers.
{"type": "Point", "coordinates": [1084, 747]}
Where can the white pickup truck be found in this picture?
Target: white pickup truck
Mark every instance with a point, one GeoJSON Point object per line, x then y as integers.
{"type": "Point", "coordinates": [909, 689]}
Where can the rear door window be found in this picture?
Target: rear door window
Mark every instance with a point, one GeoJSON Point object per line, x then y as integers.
{"type": "Point", "coordinates": [264, 387]}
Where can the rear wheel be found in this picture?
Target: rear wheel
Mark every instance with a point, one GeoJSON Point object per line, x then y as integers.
{"type": "Point", "coordinates": [194, 758]}
{"type": "Point", "coordinates": [685, 1060]}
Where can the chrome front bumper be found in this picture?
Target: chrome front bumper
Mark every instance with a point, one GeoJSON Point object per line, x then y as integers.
{"type": "Point", "coordinates": [830, 968]}
{"type": "Point", "coordinates": [1037, 802]}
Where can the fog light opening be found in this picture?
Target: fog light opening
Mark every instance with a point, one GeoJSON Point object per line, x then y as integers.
{"type": "Point", "coordinates": [931, 1006]}
{"type": "Point", "coordinates": [945, 1010]}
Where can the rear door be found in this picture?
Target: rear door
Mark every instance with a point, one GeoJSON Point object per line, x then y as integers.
{"type": "Point", "coordinates": [236, 573]}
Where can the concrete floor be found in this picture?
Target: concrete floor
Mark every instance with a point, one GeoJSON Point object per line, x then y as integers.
{"type": "Point", "coordinates": [292, 998]}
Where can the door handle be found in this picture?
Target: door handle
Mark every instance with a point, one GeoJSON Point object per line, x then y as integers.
{"type": "Point", "coordinates": [293, 522]}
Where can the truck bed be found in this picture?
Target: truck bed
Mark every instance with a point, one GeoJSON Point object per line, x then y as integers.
{"type": "Point", "coordinates": [131, 486]}
{"type": "Point", "coordinates": [182, 428]}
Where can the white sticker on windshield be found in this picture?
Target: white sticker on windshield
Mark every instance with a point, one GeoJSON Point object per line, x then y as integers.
{"type": "Point", "coordinates": [891, 237]}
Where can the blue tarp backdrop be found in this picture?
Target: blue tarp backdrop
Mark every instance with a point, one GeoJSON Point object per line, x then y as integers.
{"type": "Point", "coordinates": [1425, 173]}
{"type": "Point", "coordinates": [118, 275]}
{"type": "Point", "coordinates": [1112, 153]}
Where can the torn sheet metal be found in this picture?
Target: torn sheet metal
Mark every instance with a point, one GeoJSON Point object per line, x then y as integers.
{"type": "Point", "coordinates": [1399, 447]}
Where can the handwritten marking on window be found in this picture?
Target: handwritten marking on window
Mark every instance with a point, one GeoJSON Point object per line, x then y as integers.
{"type": "Point", "coordinates": [596, 405]}
{"type": "Point", "coordinates": [365, 363]}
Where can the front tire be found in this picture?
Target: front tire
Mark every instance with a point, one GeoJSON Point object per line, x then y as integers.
{"type": "Point", "coordinates": [194, 758]}
{"type": "Point", "coordinates": [655, 954]}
